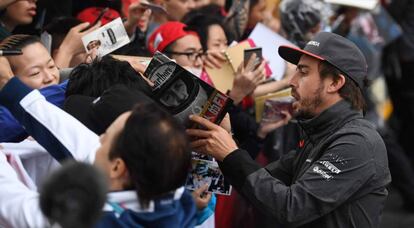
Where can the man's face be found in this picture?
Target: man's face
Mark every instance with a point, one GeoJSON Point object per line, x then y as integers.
{"type": "Point", "coordinates": [107, 140]}
{"type": "Point", "coordinates": [176, 95]}
{"type": "Point", "coordinates": [35, 67]}
{"type": "Point", "coordinates": [178, 8]}
{"type": "Point", "coordinates": [307, 88]}
{"type": "Point", "coordinates": [188, 44]}
{"type": "Point", "coordinates": [93, 44]}
{"type": "Point", "coordinates": [21, 12]}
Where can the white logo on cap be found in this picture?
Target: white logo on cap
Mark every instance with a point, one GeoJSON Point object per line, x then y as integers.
{"type": "Point", "coordinates": [96, 100]}
{"type": "Point", "coordinates": [313, 43]}
{"type": "Point", "coordinates": [158, 39]}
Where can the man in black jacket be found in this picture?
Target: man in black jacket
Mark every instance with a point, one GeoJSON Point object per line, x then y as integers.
{"type": "Point", "coordinates": [338, 174]}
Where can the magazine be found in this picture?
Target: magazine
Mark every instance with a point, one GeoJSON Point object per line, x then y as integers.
{"type": "Point", "coordinates": [183, 94]}
{"type": "Point", "coordinates": [207, 172]}
{"type": "Point", "coordinates": [273, 108]}
{"type": "Point", "coordinates": [275, 103]}
{"type": "Point", "coordinates": [107, 38]}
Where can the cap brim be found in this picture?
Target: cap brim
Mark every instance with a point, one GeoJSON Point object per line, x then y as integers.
{"type": "Point", "coordinates": [293, 54]}
{"type": "Point", "coordinates": [80, 107]}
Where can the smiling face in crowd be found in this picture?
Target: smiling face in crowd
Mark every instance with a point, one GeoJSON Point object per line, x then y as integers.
{"type": "Point", "coordinates": [35, 67]}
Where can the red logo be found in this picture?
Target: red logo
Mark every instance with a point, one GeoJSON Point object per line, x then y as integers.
{"type": "Point", "coordinates": [301, 143]}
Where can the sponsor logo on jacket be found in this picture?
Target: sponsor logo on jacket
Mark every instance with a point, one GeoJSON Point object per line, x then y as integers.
{"type": "Point", "coordinates": [330, 167]}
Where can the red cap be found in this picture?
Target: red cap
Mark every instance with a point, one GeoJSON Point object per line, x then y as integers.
{"type": "Point", "coordinates": [90, 14]}
{"type": "Point", "coordinates": [166, 34]}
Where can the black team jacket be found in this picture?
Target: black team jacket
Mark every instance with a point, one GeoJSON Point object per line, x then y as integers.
{"type": "Point", "coordinates": [336, 177]}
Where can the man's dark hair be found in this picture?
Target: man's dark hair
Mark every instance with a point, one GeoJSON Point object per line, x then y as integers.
{"type": "Point", "coordinates": [349, 91]}
{"type": "Point", "coordinates": [155, 149]}
{"type": "Point", "coordinates": [94, 78]}
{"type": "Point", "coordinates": [74, 195]}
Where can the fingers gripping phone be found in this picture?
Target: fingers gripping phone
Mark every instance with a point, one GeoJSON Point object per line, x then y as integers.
{"type": "Point", "coordinates": [249, 52]}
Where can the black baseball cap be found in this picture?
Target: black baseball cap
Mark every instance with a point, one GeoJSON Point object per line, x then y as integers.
{"type": "Point", "coordinates": [98, 113]}
{"type": "Point", "coordinates": [334, 49]}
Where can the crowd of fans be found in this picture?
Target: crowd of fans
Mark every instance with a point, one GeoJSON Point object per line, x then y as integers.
{"type": "Point", "coordinates": [327, 164]}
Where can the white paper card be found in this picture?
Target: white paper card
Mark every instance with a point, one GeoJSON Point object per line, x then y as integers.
{"type": "Point", "coordinates": [362, 4]}
{"type": "Point", "coordinates": [107, 38]}
{"type": "Point", "coordinates": [270, 41]}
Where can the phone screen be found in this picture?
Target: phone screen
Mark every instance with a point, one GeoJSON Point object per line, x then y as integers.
{"type": "Point", "coordinates": [249, 52]}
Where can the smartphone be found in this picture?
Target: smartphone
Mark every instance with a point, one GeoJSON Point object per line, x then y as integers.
{"type": "Point", "coordinates": [101, 14]}
{"type": "Point", "coordinates": [249, 52]}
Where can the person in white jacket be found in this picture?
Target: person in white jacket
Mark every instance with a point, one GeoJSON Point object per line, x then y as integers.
{"type": "Point", "coordinates": [144, 154]}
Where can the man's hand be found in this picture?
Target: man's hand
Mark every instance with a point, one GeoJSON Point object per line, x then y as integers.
{"type": "Point", "coordinates": [247, 79]}
{"type": "Point", "coordinates": [201, 197]}
{"type": "Point", "coordinates": [5, 72]}
{"type": "Point", "coordinates": [214, 140]}
{"type": "Point", "coordinates": [214, 59]}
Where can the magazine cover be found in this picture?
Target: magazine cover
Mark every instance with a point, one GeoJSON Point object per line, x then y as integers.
{"type": "Point", "coordinates": [183, 94]}
{"type": "Point", "coordinates": [207, 172]}
{"type": "Point", "coordinates": [107, 38]}
{"type": "Point", "coordinates": [273, 108]}
{"type": "Point", "coordinates": [259, 102]}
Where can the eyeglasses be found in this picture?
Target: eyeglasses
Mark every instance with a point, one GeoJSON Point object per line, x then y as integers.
{"type": "Point", "coordinates": [192, 56]}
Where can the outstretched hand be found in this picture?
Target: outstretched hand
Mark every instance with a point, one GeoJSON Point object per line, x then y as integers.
{"type": "Point", "coordinates": [212, 139]}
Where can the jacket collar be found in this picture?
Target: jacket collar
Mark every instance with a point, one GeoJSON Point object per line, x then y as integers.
{"type": "Point", "coordinates": [327, 122]}
{"type": "Point", "coordinates": [129, 200]}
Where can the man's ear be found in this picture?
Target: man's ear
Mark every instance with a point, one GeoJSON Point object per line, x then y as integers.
{"type": "Point", "coordinates": [335, 85]}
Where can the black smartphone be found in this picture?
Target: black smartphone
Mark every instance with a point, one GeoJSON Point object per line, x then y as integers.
{"type": "Point", "coordinates": [101, 14]}
{"type": "Point", "coordinates": [249, 52]}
